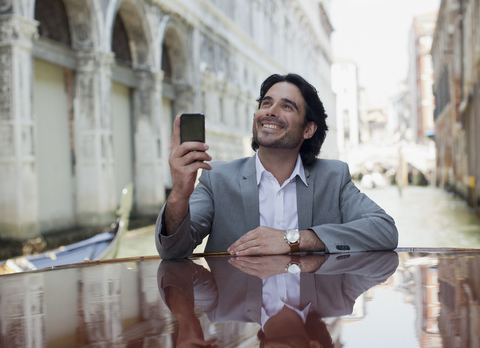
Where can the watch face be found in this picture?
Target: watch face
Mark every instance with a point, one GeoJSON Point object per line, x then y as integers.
{"type": "Point", "coordinates": [293, 268]}
{"type": "Point", "coordinates": [293, 236]}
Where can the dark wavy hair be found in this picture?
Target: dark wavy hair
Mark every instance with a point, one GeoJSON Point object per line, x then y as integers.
{"type": "Point", "coordinates": [314, 112]}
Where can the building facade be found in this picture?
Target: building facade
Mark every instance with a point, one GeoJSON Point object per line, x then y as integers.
{"type": "Point", "coordinates": [456, 64]}
{"type": "Point", "coordinates": [421, 77]}
{"type": "Point", "coordinates": [89, 90]}
{"type": "Point", "coordinates": [345, 85]}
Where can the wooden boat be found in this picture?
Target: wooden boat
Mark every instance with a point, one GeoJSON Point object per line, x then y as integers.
{"type": "Point", "coordinates": [99, 247]}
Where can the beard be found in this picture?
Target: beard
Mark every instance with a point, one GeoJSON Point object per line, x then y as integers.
{"type": "Point", "coordinates": [291, 139]}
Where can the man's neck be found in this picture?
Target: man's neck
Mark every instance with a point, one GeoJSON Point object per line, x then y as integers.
{"type": "Point", "coordinates": [279, 162]}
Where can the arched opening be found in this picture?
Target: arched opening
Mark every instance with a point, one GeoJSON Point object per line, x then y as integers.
{"type": "Point", "coordinates": [130, 41]}
{"type": "Point", "coordinates": [120, 45]}
{"type": "Point", "coordinates": [53, 21]}
{"type": "Point", "coordinates": [175, 64]}
{"type": "Point", "coordinates": [166, 65]}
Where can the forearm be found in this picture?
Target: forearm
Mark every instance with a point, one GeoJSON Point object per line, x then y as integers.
{"type": "Point", "coordinates": [309, 241]}
{"type": "Point", "coordinates": [175, 241]}
{"type": "Point", "coordinates": [176, 210]}
{"type": "Point", "coordinates": [182, 226]}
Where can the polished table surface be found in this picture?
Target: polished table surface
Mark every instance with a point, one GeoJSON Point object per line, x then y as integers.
{"type": "Point", "coordinates": [404, 298]}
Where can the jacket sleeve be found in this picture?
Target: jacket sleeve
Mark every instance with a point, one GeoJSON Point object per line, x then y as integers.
{"type": "Point", "coordinates": [194, 228]}
{"type": "Point", "coordinates": [359, 223]}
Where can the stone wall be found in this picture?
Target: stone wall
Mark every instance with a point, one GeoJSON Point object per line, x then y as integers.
{"type": "Point", "coordinates": [174, 56]}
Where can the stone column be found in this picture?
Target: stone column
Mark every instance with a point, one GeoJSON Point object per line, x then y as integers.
{"type": "Point", "coordinates": [149, 187]}
{"type": "Point", "coordinates": [94, 167]}
{"type": "Point", "coordinates": [18, 171]}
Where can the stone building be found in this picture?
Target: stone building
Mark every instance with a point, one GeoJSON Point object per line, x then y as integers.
{"type": "Point", "coordinates": [89, 89]}
{"type": "Point", "coordinates": [456, 58]}
{"type": "Point", "coordinates": [345, 85]}
{"type": "Point", "coordinates": [421, 76]}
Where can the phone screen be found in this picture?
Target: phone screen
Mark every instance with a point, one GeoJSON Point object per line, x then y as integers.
{"type": "Point", "coordinates": [192, 127]}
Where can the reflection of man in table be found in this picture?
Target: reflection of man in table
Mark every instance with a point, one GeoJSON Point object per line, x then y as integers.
{"type": "Point", "coordinates": [271, 291]}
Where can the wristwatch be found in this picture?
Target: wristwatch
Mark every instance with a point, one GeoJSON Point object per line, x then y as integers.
{"type": "Point", "coordinates": [294, 266]}
{"type": "Point", "coordinates": [292, 237]}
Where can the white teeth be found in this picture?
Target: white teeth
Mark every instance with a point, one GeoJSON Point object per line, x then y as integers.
{"type": "Point", "coordinates": [272, 126]}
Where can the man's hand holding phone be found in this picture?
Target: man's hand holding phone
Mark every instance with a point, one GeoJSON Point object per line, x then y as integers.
{"type": "Point", "coordinates": [186, 158]}
{"type": "Point", "coordinates": [188, 152]}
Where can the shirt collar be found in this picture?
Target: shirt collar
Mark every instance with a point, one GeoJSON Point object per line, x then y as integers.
{"type": "Point", "coordinates": [298, 170]}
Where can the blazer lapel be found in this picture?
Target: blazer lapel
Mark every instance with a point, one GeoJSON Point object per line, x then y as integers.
{"type": "Point", "coordinates": [305, 201]}
{"type": "Point", "coordinates": [249, 187]}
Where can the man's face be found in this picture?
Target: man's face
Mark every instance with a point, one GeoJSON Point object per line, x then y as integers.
{"type": "Point", "coordinates": [279, 122]}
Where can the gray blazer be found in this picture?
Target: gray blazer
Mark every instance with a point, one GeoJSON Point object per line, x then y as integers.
{"type": "Point", "coordinates": [225, 205]}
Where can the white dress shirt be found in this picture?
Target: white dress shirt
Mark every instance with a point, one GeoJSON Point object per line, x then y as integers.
{"type": "Point", "coordinates": [278, 209]}
{"type": "Point", "coordinates": [278, 204]}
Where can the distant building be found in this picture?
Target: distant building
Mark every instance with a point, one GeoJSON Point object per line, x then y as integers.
{"type": "Point", "coordinates": [345, 86]}
{"type": "Point", "coordinates": [375, 124]}
{"type": "Point", "coordinates": [421, 77]}
{"type": "Point", "coordinates": [89, 90]}
{"type": "Point", "coordinates": [455, 54]}
{"type": "Point", "coordinates": [400, 113]}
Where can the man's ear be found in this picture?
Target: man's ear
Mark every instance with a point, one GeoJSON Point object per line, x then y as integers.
{"type": "Point", "coordinates": [310, 130]}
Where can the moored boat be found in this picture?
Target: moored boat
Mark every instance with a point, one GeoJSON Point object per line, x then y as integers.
{"type": "Point", "coordinates": [101, 246]}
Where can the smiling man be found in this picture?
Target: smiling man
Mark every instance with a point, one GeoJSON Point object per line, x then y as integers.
{"type": "Point", "coordinates": [282, 200]}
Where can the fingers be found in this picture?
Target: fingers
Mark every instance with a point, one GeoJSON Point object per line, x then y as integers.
{"type": "Point", "coordinates": [176, 132]}
{"type": "Point", "coordinates": [261, 267]}
{"type": "Point", "coordinates": [246, 264]}
{"type": "Point", "coordinates": [188, 158]}
{"type": "Point", "coordinates": [260, 241]}
{"type": "Point", "coordinates": [253, 261]}
{"type": "Point", "coordinates": [248, 244]}
{"type": "Point", "coordinates": [190, 152]}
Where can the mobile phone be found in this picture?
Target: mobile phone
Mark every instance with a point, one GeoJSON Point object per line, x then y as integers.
{"type": "Point", "coordinates": [192, 127]}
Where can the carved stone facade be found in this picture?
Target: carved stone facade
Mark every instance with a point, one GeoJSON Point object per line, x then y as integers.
{"type": "Point", "coordinates": [159, 57]}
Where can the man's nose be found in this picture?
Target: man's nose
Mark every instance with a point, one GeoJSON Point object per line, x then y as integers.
{"type": "Point", "coordinates": [273, 110]}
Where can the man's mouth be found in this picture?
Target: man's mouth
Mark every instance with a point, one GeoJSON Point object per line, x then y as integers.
{"type": "Point", "coordinates": [271, 126]}
{"type": "Point", "coordinates": [270, 123]}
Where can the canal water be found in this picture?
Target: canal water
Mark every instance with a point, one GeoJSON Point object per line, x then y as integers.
{"type": "Point", "coordinates": [425, 217]}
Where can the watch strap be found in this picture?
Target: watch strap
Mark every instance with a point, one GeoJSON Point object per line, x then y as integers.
{"type": "Point", "coordinates": [294, 247]}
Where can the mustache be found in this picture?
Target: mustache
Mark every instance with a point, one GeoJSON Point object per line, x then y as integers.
{"type": "Point", "coordinates": [272, 120]}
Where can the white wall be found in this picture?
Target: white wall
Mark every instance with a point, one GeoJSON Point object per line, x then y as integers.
{"type": "Point", "coordinates": [122, 137]}
{"type": "Point", "coordinates": [54, 159]}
